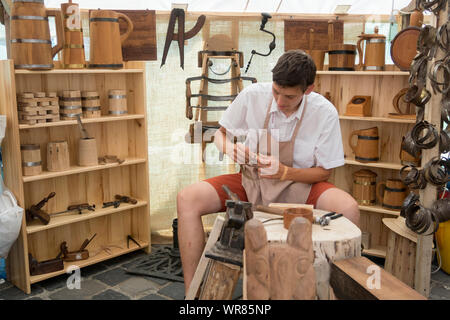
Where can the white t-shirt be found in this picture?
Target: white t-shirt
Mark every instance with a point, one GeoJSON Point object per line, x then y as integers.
{"type": "Point", "coordinates": [318, 142]}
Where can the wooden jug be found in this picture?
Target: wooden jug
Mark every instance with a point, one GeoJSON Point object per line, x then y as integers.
{"type": "Point", "coordinates": [364, 187]}
{"type": "Point", "coordinates": [73, 52]}
{"type": "Point", "coordinates": [31, 47]}
{"type": "Point", "coordinates": [374, 52]}
{"type": "Point", "coordinates": [106, 40]}
{"type": "Point", "coordinates": [392, 193]}
{"type": "Point", "coordinates": [366, 148]}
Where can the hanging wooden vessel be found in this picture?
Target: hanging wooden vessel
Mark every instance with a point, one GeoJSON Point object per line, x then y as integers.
{"type": "Point", "coordinates": [31, 46]}
{"type": "Point", "coordinates": [73, 51]}
{"type": "Point", "coordinates": [106, 40]}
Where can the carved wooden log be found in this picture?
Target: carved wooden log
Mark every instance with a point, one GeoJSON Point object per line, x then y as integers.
{"type": "Point", "coordinates": [280, 271]}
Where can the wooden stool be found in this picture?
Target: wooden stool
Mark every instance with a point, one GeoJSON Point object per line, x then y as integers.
{"type": "Point", "coordinates": [401, 250]}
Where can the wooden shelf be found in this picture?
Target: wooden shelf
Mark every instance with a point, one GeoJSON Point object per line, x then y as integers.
{"type": "Point", "coordinates": [377, 119]}
{"type": "Point", "coordinates": [78, 71]}
{"type": "Point", "coordinates": [376, 251]}
{"type": "Point", "coordinates": [68, 218]}
{"type": "Point", "coordinates": [84, 120]}
{"type": "Point", "coordinates": [379, 209]}
{"type": "Point", "coordinates": [364, 73]}
{"type": "Point", "coordinates": [78, 169]}
{"type": "Point", "coordinates": [383, 165]}
{"type": "Point", "coordinates": [101, 256]}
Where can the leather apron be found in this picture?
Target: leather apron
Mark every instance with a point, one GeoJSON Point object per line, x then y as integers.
{"type": "Point", "coordinates": [264, 191]}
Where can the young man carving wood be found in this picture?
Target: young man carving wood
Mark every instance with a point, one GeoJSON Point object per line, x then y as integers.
{"type": "Point", "coordinates": [293, 143]}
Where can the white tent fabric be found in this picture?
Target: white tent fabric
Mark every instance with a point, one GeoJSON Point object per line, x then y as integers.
{"type": "Point", "coordinates": [271, 6]}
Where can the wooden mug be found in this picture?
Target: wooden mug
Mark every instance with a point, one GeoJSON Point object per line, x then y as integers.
{"type": "Point", "coordinates": [366, 148]}
{"type": "Point", "coordinates": [106, 40]}
{"type": "Point", "coordinates": [364, 187]}
{"type": "Point", "coordinates": [31, 46]}
{"type": "Point", "coordinates": [31, 159]}
{"type": "Point", "coordinates": [373, 59]}
{"type": "Point", "coordinates": [392, 193]}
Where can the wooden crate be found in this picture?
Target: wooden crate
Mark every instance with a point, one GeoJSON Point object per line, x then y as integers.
{"type": "Point", "coordinates": [124, 136]}
{"type": "Point", "coordinates": [382, 86]}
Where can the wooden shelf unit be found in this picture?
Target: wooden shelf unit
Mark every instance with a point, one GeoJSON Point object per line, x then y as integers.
{"type": "Point", "coordinates": [382, 86]}
{"type": "Point", "coordinates": [123, 136]}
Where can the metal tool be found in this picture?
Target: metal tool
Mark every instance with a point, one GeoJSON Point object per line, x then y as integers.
{"type": "Point", "coordinates": [119, 199]}
{"type": "Point", "coordinates": [84, 133]}
{"type": "Point", "coordinates": [326, 218]}
{"type": "Point", "coordinates": [265, 18]}
{"type": "Point", "coordinates": [230, 245]}
{"type": "Point", "coordinates": [35, 210]}
{"type": "Point", "coordinates": [76, 207]}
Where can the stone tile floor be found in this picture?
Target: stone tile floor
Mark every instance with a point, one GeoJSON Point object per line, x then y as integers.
{"type": "Point", "coordinates": [108, 280]}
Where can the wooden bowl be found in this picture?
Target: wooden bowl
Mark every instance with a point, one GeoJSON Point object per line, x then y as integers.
{"type": "Point", "coordinates": [291, 213]}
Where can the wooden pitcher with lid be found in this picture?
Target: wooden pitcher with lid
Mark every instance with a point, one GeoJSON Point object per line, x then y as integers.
{"type": "Point", "coordinates": [366, 148]}
{"type": "Point", "coordinates": [374, 51]}
{"type": "Point", "coordinates": [31, 46]}
{"type": "Point", "coordinates": [106, 40]}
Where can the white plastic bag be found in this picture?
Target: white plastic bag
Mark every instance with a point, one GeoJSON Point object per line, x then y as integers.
{"type": "Point", "coordinates": [10, 221]}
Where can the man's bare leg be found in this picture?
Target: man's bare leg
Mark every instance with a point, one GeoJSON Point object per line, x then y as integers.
{"type": "Point", "coordinates": [338, 200]}
{"type": "Point", "coordinates": [193, 202]}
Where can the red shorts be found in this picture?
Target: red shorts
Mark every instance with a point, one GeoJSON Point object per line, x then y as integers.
{"type": "Point", "coordinates": [234, 182]}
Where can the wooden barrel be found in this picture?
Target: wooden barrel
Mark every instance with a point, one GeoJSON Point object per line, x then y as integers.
{"type": "Point", "coordinates": [364, 187]}
{"type": "Point", "coordinates": [90, 103]}
{"type": "Point", "coordinates": [87, 152]}
{"type": "Point", "coordinates": [106, 40]}
{"type": "Point", "coordinates": [366, 149]}
{"type": "Point", "coordinates": [58, 156]}
{"type": "Point", "coordinates": [70, 104]}
{"type": "Point", "coordinates": [31, 159]}
{"type": "Point", "coordinates": [73, 51]}
{"type": "Point", "coordinates": [117, 102]}
{"type": "Point", "coordinates": [341, 57]}
{"type": "Point", "coordinates": [393, 195]}
{"type": "Point", "coordinates": [31, 47]}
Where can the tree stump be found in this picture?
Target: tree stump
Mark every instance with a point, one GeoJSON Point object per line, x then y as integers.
{"type": "Point", "coordinates": [341, 239]}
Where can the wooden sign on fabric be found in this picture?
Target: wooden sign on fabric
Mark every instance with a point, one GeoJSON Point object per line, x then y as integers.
{"type": "Point", "coordinates": [296, 34]}
{"type": "Point", "coordinates": [141, 44]}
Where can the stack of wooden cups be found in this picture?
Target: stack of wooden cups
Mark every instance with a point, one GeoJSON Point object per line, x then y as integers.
{"type": "Point", "coordinates": [117, 102]}
{"type": "Point", "coordinates": [90, 103]}
{"type": "Point", "coordinates": [70, 104]}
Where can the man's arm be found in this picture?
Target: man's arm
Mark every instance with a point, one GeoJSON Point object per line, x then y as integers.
{"type": "Point", "coordinates": [236, 151]}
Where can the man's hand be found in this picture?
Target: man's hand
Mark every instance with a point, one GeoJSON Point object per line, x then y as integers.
{"type": "Point", "coordinates": [270, 167]}
{"type": "Point", "coordinates": [243, 155]}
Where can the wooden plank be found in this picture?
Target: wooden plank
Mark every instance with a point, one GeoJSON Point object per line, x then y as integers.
{"type": "Point", "coordinates": [203, 264]}
{"type": "Point", "coordinates": [221, 281]}
{"type": "Point", "coordinates": [296, 33]}
{"type": "Point", "coordinates": [357, 279]}
{"type": "Point", "coordinates": [141, 44]}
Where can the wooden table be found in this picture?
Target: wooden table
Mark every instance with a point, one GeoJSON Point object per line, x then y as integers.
{"type": "Point", "coordinates": [341, 239]}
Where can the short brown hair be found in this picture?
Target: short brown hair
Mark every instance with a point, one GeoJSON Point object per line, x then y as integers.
{"type": "Point", "coordinates": [294, 68]}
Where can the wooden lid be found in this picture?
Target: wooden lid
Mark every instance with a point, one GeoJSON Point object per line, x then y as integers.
{"type": "Point", "coordinates": [365, 173]}
{"type": "Point", "coordinates": [404, 47]}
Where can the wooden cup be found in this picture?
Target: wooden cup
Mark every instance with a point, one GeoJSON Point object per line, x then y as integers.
{"type": "Point", "coordinates": [392, 193]}
{"type": "Point", "coordinates": [292, 213]}
{"type": "Point", "coordinates": [318, 57]}
{"type": "Point", "coordinates": [58, 156]}
{"type": "Point", "coordinates": [364, 187]}
{"type": "Point", "coordinates": [117, 102]}
{"type": "Point", "coordinates": [31, 159]}
{"type": "Point", "coordinates": [87, 152]}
